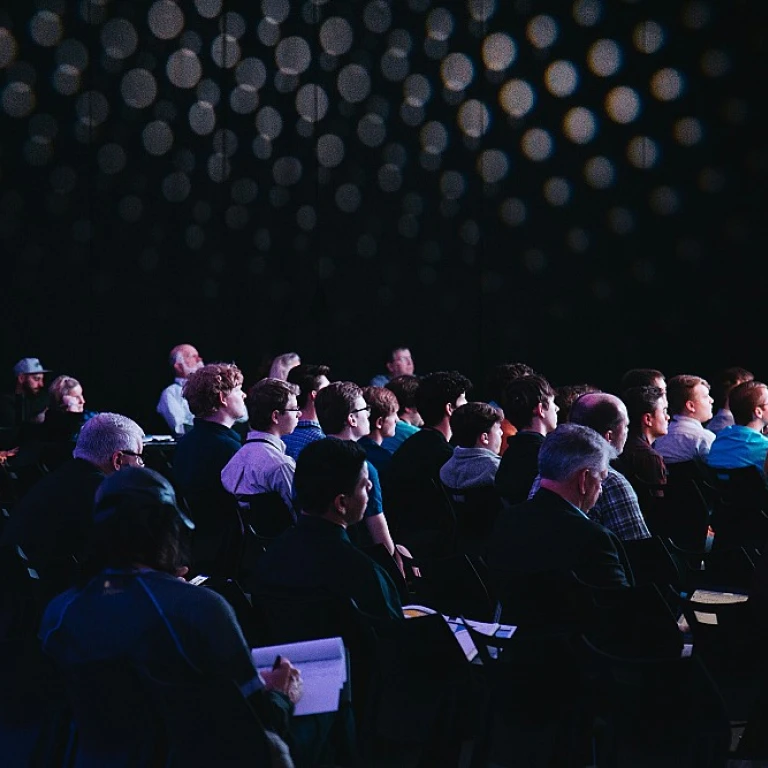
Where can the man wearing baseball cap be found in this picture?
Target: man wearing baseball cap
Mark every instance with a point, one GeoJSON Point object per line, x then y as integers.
{"type": "Point", "coordinates": [28, 401]}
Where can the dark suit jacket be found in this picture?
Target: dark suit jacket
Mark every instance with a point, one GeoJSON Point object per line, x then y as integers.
{"type": "Point", "coordinates": [548, 534]}
{"type": "Point", "coordinates": [519, 466]}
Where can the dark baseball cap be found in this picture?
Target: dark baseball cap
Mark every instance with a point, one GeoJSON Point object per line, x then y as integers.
{"type": "Point", "coordinates": [29, 365]}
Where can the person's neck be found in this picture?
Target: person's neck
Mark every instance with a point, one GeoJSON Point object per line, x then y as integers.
{"type": "Point", "coordinates": [220, 418]}
{"type": "Point", "coordinates": [535, 428]}
{"type": "Point", "coordinates": [756, 424]}
{"type": "Point", "coordinates": [567, 491]}
{"type": "Point", "coordinates": [376, 436]}
{"type": "Point", "coordinates": [346, 434]}
{"type": "Point", "coordinates": [308, 413]}
{"type": "Point", "coordinates": [443, 427]}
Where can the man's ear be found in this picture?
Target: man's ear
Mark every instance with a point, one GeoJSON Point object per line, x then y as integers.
{"type": "Point", "coordinates": [116, 461]}
{"type": "Point", "coordinates": [484, 438]}
{"type": "Point", "coordinates": [583, 481]}
{"type": "Point", "coordinates": [340, 505]}
{"type": "Point", "coordinates": [379, 423]}
{"type": "Point", "coordinates": [690, 406]}
{"type": "Point", "coordinates": [275, 416]}
{"type": "Point", "coordinates": [647, 419]}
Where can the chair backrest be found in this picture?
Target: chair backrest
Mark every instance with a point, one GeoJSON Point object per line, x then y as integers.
{"type": "Point", "coordinates": [476, 510]}
{"type": "Point", "coordinates": [266, 514]}
{"type": "Point", "coordinates": [678, 512]}
{"type": "Point", "coordinates": [740, 515]}
{"type": "Point", "coordinates": [652, 563]}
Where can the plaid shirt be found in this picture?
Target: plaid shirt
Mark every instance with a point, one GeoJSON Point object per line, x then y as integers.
{"type": "Point", "coordinates": [617, 508]}
{"type": "Point", "coordinates": [306, 432]}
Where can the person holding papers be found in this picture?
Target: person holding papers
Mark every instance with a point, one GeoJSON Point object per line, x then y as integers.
{"type": "Point", "coordinates": [136, 611]}
{"type": "Point", "coordinates": [331, 486]}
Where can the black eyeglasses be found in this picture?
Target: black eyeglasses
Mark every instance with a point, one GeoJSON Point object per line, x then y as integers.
{"type": "Point", "coordinates": [139, 458]}
{"type": "Point", "coordinates": [360, 410]}
{"type": "Point", "coordinates": [291, 410]}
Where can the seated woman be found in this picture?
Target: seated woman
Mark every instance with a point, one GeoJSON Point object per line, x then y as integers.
{"type": "Point", "coordinates": [134, 611]}
{"type": "Point", "coordinates": [63, 420]}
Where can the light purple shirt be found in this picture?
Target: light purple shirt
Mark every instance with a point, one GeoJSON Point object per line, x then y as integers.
{"type": "Point", "coordinates": [686, 440]}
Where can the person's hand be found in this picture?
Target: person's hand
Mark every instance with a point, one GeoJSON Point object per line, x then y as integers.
{"type": "Point", "coordinates": [5, 455]}
{"type": "Point", "coordinates": [285, 679]}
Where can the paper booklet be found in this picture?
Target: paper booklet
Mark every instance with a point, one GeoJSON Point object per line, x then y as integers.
{"type": "Point", "coordinates": [323, 666]}
{"type": "Point", "coordinates": [459, 630]}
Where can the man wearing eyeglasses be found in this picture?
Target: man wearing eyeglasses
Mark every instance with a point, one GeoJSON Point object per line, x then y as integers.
{"type": "Point", "coordinates": [262, 466]}
{"type": "Point", "coordinates": [743, 444]}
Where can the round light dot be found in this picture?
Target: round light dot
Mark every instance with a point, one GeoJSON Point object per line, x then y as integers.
{"type": "Point", "coordinates": [664, 201]}
{"type": "Point", "coordinates": [440, 24]}
{"type": "Point", "coordinates": [176, 187]}
{"type": "Point", "coordinates": [130, 209]}
{"type": "Point", "coordinates": [311, 102]}
{"type": "Point", "coordinates": [330, 150]}
{"type": "Point", "coordinates": [604, 58]}
{"type": "Point", "coordinates": [8, 47]}
{"type": "Point", "coordinates": [225, 51]}
{"type": "Point", "coordinates": [541, 31]}
{"type": "Point", "coordinates": [202, 118]}
{"type": "Point", "coordinates": [276, 10]}
{"type": "Point", "coordinates": [561, 78]}
{"type": "Point", "coordinates": [225, 142]}
{"type": "Point", "coordinates": [577, 240]}
{"type": "Point", "coordinates": [166, 19]}
{"type": "Point", "coordinates": [354, 83]}
{"type": "Point", "coordinates": [45, 28]}
{"type": "Point", "coordinates": [74, 53]}
{"type": "Point", "coordinates": [292, 55]}
{"type": "Point", "coordinates": [696, 15]}
{"type": "Point", "coordinates": [219, 168]}
{"type": "Point", "coordinates": [371, 130]}
{"type": "Point", "coordinates": [92, 108]}
{"type": "Point", "coordinates": [408, 226]}
{"type": "Point", "coordinates": [138, 88]}
{"type": "Point", "coordinates": [244, 99]}
{"type": "Point", "coordinates": [63, 180]}
{"type": "Point", "coordinates": [233, 24]}
{"type": "Point", "coordinates": [268, 33]}
{"type": "Point", "coordinates": [473, 118]}
{"type": "Point", "coordinates": [395, 65]}
{"type": "Point", "coordinates": [66, 80]}
{"type": "Point", "coordinates": [157, 137]}
{"type": "Point", "coordinates": [208, 9]}
{"type": "Point", "coordinates": [492, 165]}
{"type": "Point", "coordinates": [348, 198]}
{"type": "Point", "coordinates": [390, 177]}
{"type": "Point", "coordinates": [306, 218]}
{"type": "Point", "coordinates": [184, 69]}
{"type": "Point", "coordinates": [513, 212]}
{"type": "Point", "coordinates": [481, 10]}
{"type": "Point", "coordinates": [667, 84]}
{"type": "Point", "coordinates": [236, 217]}
{"type": "Point", "coordinates": [642, 152]}
{"type": "Point", "coordinates": [434, 138]}
{"type": "Point", "coordinates": [452, 185]}
{"type": "Point", "coordinates": [119, 38]}
{"type": "Point", "coordinates": [711, 181]}
{"type": "Point", "coordinates": [262, 148]}
{"type": "Point", "coordinates": [251, 72]}
{"type": "Point", "coordinates": [286, 171]}
{"type": "Point", "coordinates": [517, 98]}
{"type": "Point", "coordinates": [579, 125]}
{"type": "Point", "coordinates": [336, 36]}
{"type": "Point", "coordinates": [111, 159]}
{"type": "Point", "coordinates": [457, 71]}
{"type": "Point", "coordinates": [599, 172]}
{"type": "Point", "coordinates": [688, 131]}
{"type": "Point", "coordinates": [587, 12]}
{"type": "Point", "coordinates": [536, 144]}
{"type": "Point", "coordinates": [557, 192]}
{"type": "Point", "coordinates": [648, 37]}
{"type": "Point", "coordinates": [208, 90]}
{"type": "Point", "coordinates": [38, 151]}
{"type": "Point", "coordinates": [499, 51]}
{"type": "Point", "coordinates": [417, 90]}
{"type": "Point", "coordinates": [377, 16]}
{"type": "Point", "coordinates": [622, 105]}
{"type": "Point", "coordinates": [244, 191]}
{"type": "Point", "coordinates": [715, 63]}
{"type": "Point", "coordinates": [269, 123]}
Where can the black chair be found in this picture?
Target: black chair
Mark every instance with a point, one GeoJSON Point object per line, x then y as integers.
{"type": "Point", "coordinates": [677, 511]}
{"type": "Point", "coordinates": [476, 510]}
{"type": "Point", "coordinates": [266, 515]}
{"type": "Point", "coordinates": [740, 515]}
{"type": "Point", "coordinates": [652, 563]}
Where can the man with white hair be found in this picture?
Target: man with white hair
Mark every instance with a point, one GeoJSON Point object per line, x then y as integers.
{"type": "Point", "coordinates": [172, 406]}
{"type": "Point", "coordinates": [51, 521]}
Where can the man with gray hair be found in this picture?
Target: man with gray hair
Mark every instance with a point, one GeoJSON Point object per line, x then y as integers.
{"type": "Point", "coordinates": [551, 532]}
{"type": "Point", "coordinates": [51, 521]}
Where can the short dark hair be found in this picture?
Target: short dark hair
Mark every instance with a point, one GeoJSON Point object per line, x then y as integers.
{"type": "Point", "coordinates": [438, 389]}
{"type": "Point", "coordinates": [680, 389]}
{"type": "Point", "coordinates": [726, 380]}
{"type": "Point", "coordinates": [639, 401]}
{"type": "Point", "coordinates": [743, 400]}
{"type": "Point", "coordinates": [202, 388]}
{"type": "Point", "coordinates": [264, 398]}
{"type": "Point", "coordinates": [501, 375]}
{"type": "Point", "coordinates": [522, 395]}
{"type": "Point", "coordinates": [404, 388]}
{"type": "Point", "coordinates": [306, 377]}
{"type": "Point", "coordinates": [639, 377]}
{"type": "Point", "coordinates": [470, 420]}
{"type": "Point", "coordinates": [325, 469]}
{"type": "Point", "coordinates": [382, 402]}
{"type": "Point", "coordinates": [566, 395]}
{"type": "Point", "coordinates": [334, 403]}
{"type": "Point", "coordinates": [597, 410]}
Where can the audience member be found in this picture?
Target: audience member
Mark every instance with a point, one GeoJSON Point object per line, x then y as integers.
{"type": "Point", "coordinates": [51, 520]}
{"type": "Point", "coordinates": [63, 420]}
{"type": "Point", "coordinates": [409, 420]}
{"type": "Point", "coordinates": [310, 379]}
{"type": "Point", "coordinates": [648, 420]}
{"type": "Point", "coordinates": [216, 398]}
{"type": "Point", "coordinates": [529, 404]}
{"type": "Point", "coordinates": [332, 489]}
{"type": "Point", "coordinates": [498, 379]}
{"type": "Point", "coordinates": [344, 415]}
{"type": "Point", "coordinates": [643, 377]}
{"type": "Point", "coordinates": [566, 395]}
{"type": "Point", "coordinates": [262, 466]}
{"type": "Point", "coordinates": [383, 421]}
{"type": "Point", "coordinates": [28, 401]}
{"type": "Point", "coordinates": [476, 429]}
{"type": "Point", "coordinates": [282, 365]}
{"type": "Point", "coordinates": [691, 407]}
{"type": "Point", "coordinates": [726, 380]}
{"type": "Point", "coordinates": [136, 611]}
{"type": "Point", "coordinates": [399, 363]}
{"type": "Point", "coordinates": [552, 531]}
{"type": "Point", "coordinates": [172, 406]}
{"type": "Point", "coordinates": [743, 444]}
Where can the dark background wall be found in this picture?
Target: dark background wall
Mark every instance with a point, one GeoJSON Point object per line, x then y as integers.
{"type": "Point", "coordinates": [579, 186]}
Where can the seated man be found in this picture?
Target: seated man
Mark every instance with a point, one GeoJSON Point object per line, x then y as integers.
{"type": "Point", "coordinates": [409, 421]}
{"type": "Point", "coordinates": [727, 379]}
{"type": "Point", "coordinates": [648, 419]}
{"type": "Point", "coordinates": [399, 363]}
{"type": "Point", "coordinates": [691, 407]}
{"type": "Point", "coordinates": [743, 444]}
{"type": "Point", "coordinates": [643, 377]}
{"type": "Point", "coordinates": [29, 399]}
{"type": "Point", "coordinates": [498, 379]}
{"type": "Point", "coordinates": [476, 431]}
{"type": "Point", "coordinates": [310, 379]}
{"type": "Point", "coordinates": [383, 421]}
{"type": "Point", "coordinates": [172, 406]}
{"type": "Point", "coordinates": [332, 488]}
{"type": "Point", "coordinates": [551, 531]}
{"type": "Point", "coordinates": [345, 415]}
{"type": "Point", "coordinates": [261, 466]}
{"type": "Point", "coordinates": [529, 404]}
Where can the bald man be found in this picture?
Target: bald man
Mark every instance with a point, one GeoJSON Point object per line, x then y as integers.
{"type": "Point", "coordinates": [172, 406]}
